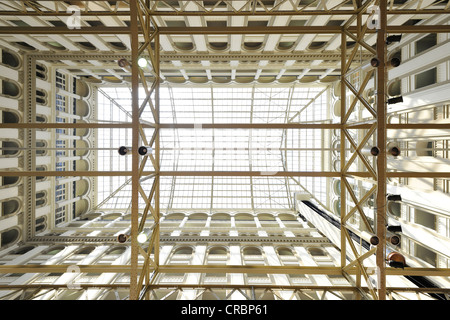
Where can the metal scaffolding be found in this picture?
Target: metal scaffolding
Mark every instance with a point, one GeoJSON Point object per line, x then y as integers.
{"type": "Point", "coordinates": [145, 35]}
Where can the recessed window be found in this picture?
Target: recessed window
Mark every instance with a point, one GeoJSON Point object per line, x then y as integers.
{"type": "Point", "coordinates": [426, 78]}
{"type": "Point", "coordinates": [10, 59]}
{"type": "Point", "coordinates": [10, 88]}
{"type": "Point", "coordinates": [184, 45]}
{"type": "Point", "coordinates": [86, 45]}
{"type": "Point", "coordinates": [95, 23]}
{"type": "Point", "coordinates": [425, 254]}
{"type": "Point", "coordinates": [257, 23]}
{"type": "Point", "coordinates": [10, 148]}
{"type": "Point", "coordinates": [426, 42]}
{"type": "Point", "coordinates": [10, 117]}
{"type": "Point", "coordinates": [24, 46]}
{"type": "Point", "coordinates": [175, 23]}
{"type": "Point", "coordinates": [9, 237]}
{"type": "Point", "coordinates": [9, 207]}
{"type": "Point", "coordinates": [297, 23]}
{"type": "Point", "coordinates": [216, 23]}
{"type": "Point", "coordinates": [425, 219]}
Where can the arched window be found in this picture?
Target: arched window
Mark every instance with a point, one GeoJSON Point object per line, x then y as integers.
{"type": "Point", "coordinates": [41, 178]}
{"type": "Point", "coordinates": [41, 199]}
{"type": "Point", "coordinates": [287, 256]}
{"type": "Point", "coordinates": [217, 255]}
{"type": "Point", "coordinates": [394, 208]}
{"type": "Point", "coordinates": [10, 59]}
{"type": "Point", "coordinates": [175, 216]}
{"type": "Point", "coordinates": [10, 88]}
{"type": "Point", "coordinates": [10, 180]}
{"type": "Point", "coordinates": [181, 255]}
{"type": "Point", "coordinates": [316, 252]}
{"type": "Point", "coordinates": [41, 224]}
{"type": "Point", "coordinates": [252, 255]}
{"type": "Point", "coordinates": [85, 250]}
{"type": "Point", "coordinates": [41, 96]}
{"type": "Point", "coordinates": [10, 148]}
{"type": "Point", "coordinates": [112, 216]}
{"type": "Point", "coordinates": [243, 220]}
{"type": "Point", "coordinates": [183, 251]}
{"type": "Point", "coordinates": [41, 71]}
{"type": "Point", "coordinates": [196, 220]}
{"type": "Point", "coordinates": [9, 206]}
{"type": "Point", "coordinates": [116, 251]}
{"type": "Point", "coordinates": [221, 220]}
{"type": "Point", "coordinates": [53, 250]}
{"type": "Point", "coordinates": [198, 216]}
{"type": "Point", "coordinates": [285, 252]}
{"type": "Point", "coordinates": [22, 250]}
{"type": "Point", "coordinates": [10, 117]}
{"type": "Point", "coordinates": [9, 237]}
{"type": "Point", "coordinates": [41, 146]}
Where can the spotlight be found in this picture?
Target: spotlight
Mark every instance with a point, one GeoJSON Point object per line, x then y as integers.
{"type": "Point", "coordinates": [394, 151]}
{"type": "Point", "coordinates": [142, 62]}
{"type": "Point", "coordinates": [143, 150]}
{"type": "Point", "coordinates": [395, 100]}
{"type": "Point", "coordinates": [124, 64]}
{"type": "Point", "coordinates": [371, 238]}
{"type": "Point", "coordinates": [394, 62]}
{"type": "Point", "coordinates": [123, 237]}
{"type": "Point", "coordinates": [394, 228]}
{"type": "Point", "coordinates": [394, 38]}
{"type": "Point", "coordinates": [395, 240]}
{"type": "Point", "coordinates": [394, 197]}
{"type": "Point", "coordinates": [124, 150]}
{"type": "Point", "coordinates": [374, 151]}
{"type": "Point", "coordinates": [396, 260]}
{"type": "Point", "coordinates": [144, 235]}
{"type": "Point", "coordinates": [374, 62]}
{"type": "Point", "coordinates": [371, 151]}
{"type": "Point", "coordinates": [141, 238]}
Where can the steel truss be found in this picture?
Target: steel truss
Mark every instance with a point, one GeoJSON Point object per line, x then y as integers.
{"type": "Point", "coordinates": [143, 25]}
{"type": "Point", "coordinates": [214, 8]}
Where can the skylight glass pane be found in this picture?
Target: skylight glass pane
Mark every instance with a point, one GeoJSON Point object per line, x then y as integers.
{"type": "Point", "coordinates": [263, 151]}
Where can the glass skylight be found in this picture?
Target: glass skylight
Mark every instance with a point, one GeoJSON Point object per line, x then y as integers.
{"type": "Point", "coordinates": [204, 149]}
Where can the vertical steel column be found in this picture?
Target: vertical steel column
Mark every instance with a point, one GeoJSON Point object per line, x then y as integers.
{"type": "Point", "coordinates": [134, 291]}
{"type": "Point", "coordinates": [342, 149]}
{"type": "Point", "coordinates": [157, 148]}
{"type": "Point", "coordinates": [381, 159]}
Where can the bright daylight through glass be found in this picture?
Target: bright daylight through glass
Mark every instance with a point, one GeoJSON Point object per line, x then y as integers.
{"type": "Point", "coordinates": [198, 149]}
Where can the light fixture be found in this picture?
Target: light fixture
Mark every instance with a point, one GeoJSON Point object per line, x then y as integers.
{"type": "Point", "coordinates": [124, 64]}
{"type": "Point", "coordinates": [142, 62]}
{"type": "Point", "coordinates": [371, 238]}
{"type": "Point", "coordinates": [393, 38]}
{"type": "Point", "coordinates": [123, 237]}
{"type": "Point", "coordinates": [392, 228]}
{"type": "Point", "coordinates": [395, 100]}
{"type": "Point", "coordinates": [396, 260]}
{"type": "Point", "coordinates": [374, 62]}
{"type": "Point", "coordinates": [394, 62]}
{"type": "Point", "coordinates": [394, 151]}
{"type": "Point", "coordinates": [395, 240]}
{"type": "Point", "coordinates": [124, 150]}
{"type": "Point", "coordinates": [143, 150]}
{"type": "Point", "coordinates": [394, 197]}
{"type": "Point", "coordinates": [144, 235]}
{"type": "Point", "coordinates": [371, 151]}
